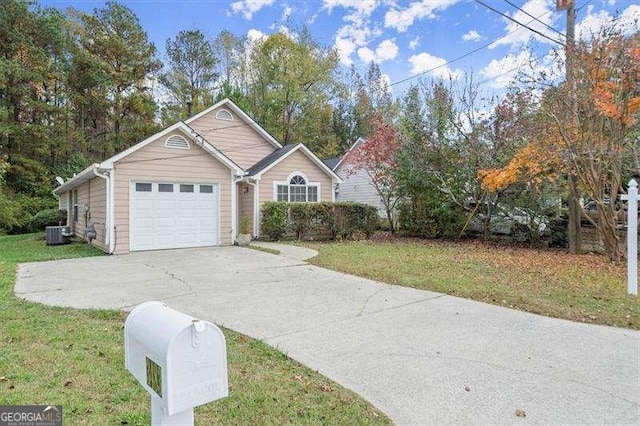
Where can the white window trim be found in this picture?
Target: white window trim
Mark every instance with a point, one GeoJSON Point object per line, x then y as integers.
{"type": "Point", "coordinates": [286, 183]}
{"type": "Point", "coordinates": [218, 117]}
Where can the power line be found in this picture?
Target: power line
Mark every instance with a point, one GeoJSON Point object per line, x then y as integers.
{"type": "Point", "coordinates": [484, 46]}
{"type": "Point", "coordinates": [519, 23]}
{"type": "Point", "coordinates": [531, 16]}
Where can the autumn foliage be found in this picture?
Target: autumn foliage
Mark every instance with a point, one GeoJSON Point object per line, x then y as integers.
{"type": "Point", "coordinates": [376, 156]}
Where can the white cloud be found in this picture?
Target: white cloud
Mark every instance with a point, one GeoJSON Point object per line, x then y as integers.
{"type": "Point", "coordinates": [254, 35]}
{"type": "Point", "coordinates": [402, 19]}
{"type": "Point", "coordinates": [286, 12]}
{"type": "Point", "coordinates": [366, 55]}
{"type": "Point", "coordinates": [424, 62]}
{"type": "Point", "coordinates": [345, 48]}
{"type": "Point", "coordinates": [385, 51]}
{"type": "Point", "coordinates": [248, 7]}
{"type": "Point", "coordinates": [500, 72]}
{"type": "Point", "coordinates": [364, 7]}
{"type": "Point", "coordinates": [518, 35]}
{"type": "Point", "coordinates": [415, 43]}
{"type": "Point", "coordinates": [472, 35]}
{"type": "Point", "coordinates": [628, 21]}
{"type": "Point", "coordinates": [358, 31]}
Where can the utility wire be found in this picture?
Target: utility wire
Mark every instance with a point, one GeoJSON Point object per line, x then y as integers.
{"type": "Point", "coordinates": [484, 46]}
{"type": "Point", "coordinates": [519, 23]}
{"type": "Point", "coordinates": [531, 16]}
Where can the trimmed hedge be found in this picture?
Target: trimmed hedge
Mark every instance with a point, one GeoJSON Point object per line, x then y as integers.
{"type": "Point", "coordinates": [274, 219]}
{"type": "Point", "coordinates": [340, 220]}
{"type": "Point", "coordinates": [431, 218]}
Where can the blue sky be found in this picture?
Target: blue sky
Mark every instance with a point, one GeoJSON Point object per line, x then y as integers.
{"type": "Point", "coordinates": [406, 38]}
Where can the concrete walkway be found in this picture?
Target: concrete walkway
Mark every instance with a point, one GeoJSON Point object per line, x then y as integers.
{"type": "Point", "coordinates": [421, 357]}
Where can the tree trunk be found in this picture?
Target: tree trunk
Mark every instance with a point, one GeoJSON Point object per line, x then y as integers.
{"type": "Point", "coordinates": [392, 226]}
{"type": "Point", "coordinates": [575, 210]}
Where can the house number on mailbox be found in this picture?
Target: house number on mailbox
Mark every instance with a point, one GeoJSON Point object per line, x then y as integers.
{"type": "Point", "coordinates": [154, 377]}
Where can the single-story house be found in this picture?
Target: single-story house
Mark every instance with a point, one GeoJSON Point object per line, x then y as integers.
{"type": "Point", "coordinates": [190, 184]}
{"type": "Point", "coordinates": [356, 185]}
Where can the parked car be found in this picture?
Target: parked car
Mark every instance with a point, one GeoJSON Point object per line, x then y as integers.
{"type": "Point", "coordinates": [504, 221]}
{"type": "Point", "coordinates": [590, 213]}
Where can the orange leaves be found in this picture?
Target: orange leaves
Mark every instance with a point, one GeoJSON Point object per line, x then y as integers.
{"type": "Point", "coordinates": [613, 67]}
{"type": "Point", "coordinates": [530, 163]}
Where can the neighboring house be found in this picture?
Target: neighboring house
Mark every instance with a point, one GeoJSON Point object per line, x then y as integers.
{"type": "Point", "coordinates": [356, 186]}
{"type": "Point", "coordinates": [189, 185]}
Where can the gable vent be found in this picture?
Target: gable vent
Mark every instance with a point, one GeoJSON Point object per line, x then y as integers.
{"type": "Point", "coordinates": [223, 114]}
{"type": "Point", "coordinates": [176, 142]}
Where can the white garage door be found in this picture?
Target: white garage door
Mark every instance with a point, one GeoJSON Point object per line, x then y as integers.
{"type": "Point", "coordinates": [173, 215]}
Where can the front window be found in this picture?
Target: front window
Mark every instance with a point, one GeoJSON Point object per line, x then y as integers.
{"type": "Point", "coordinates": [298, 190]}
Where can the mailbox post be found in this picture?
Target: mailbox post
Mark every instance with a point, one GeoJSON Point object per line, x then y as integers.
{"type": "Point", "coordinates": [181, 361]}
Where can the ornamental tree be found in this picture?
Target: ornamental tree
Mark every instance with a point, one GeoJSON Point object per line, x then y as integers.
{"type": "Point", "coordinates": [376, 156]}
{"type": "Point", "coordinates": [589, 130]}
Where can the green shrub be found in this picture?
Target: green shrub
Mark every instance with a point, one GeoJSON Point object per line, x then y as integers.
{"type": "Point", "coordinates": [274, 219]}
{"type": "Point", "coordinates": [366, 218]}
{"type": "Point", "coordinates": [431, 218]}
{"type": "Point", "coordinates": [18, 210]}
{"type": "Point", "coordinates": [301, 217]}
{"type": "Point", "coordinates": [49, 217]}
{"type": "Point", "coordinates": [340, 220]}
{"type": "Point", "coordinates": [558, 236]}
{"type": "Point", "coordinates": [245, 224]}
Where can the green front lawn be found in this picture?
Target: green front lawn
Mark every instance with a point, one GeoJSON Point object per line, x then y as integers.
{"type": "Point", "coordinates": [584, 288]}
{"type": "Point", "coordinates": [74, 358]}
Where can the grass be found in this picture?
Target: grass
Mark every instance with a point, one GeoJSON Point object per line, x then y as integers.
{"type": "Point", "coordinates": [74, 358]}
{"type": "Point", "coordinates": [264, 249]}
{"type": "Point", "coordinates": [585, 288]}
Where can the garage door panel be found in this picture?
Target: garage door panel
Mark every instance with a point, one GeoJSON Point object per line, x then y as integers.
{"type": "Point", "coordinates": [162, 220]}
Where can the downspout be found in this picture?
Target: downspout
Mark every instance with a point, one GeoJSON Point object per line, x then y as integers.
{"type": "Point", "coordinates": [108, 219]}
{"type": "Point", "coordinates": [234, 206]}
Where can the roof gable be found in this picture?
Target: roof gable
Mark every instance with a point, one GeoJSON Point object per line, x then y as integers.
{"type": "Point", "coordinates": [228, 104]}
{"type": "Point", "coordinates": [353, 146]}
{"type": "Point", "coordinates": [271, 160]}
{"type": "Point", "coordinates": [187, 131]}
{"type": "Point", "coordinates": [108, 164]}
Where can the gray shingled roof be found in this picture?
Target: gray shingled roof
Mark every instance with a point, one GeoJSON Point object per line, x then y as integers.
{"type": "Point", "coordinates": [270, 159]}
{"type": "Point", "coordinates": [331, 162]}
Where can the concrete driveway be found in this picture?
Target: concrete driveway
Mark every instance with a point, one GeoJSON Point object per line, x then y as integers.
{"type": "Point", "coordinates": [419, 356]}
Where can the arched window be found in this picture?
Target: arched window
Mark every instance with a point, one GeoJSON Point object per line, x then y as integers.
{"type": "Point", "coordinates": [223, 114]}
{"type": "Point", "coordinates": [297, 180]}
{"type": "Point", "coordinates": [297, 190]}
{"type": "Point", "coordinates": [177, 142]}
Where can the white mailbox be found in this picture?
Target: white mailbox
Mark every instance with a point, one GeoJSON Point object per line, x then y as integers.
{"type": "Point", "coordinates": [180, 361]}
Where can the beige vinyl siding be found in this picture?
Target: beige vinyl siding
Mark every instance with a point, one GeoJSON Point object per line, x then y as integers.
{"type": "Point", "coordinates": [155, 163]}
{"type": "Point", "coordinates": [91, 209]}
{"type": "Point", "coordinates": [295, 162]}
{"type": "Point", "coordinates": [235, 138]}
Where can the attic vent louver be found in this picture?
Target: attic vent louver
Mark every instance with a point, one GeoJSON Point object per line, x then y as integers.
{"type": "Point", "coordinates": [176, 142]}
{"type": "Point", "coordinates": [223, 114]}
